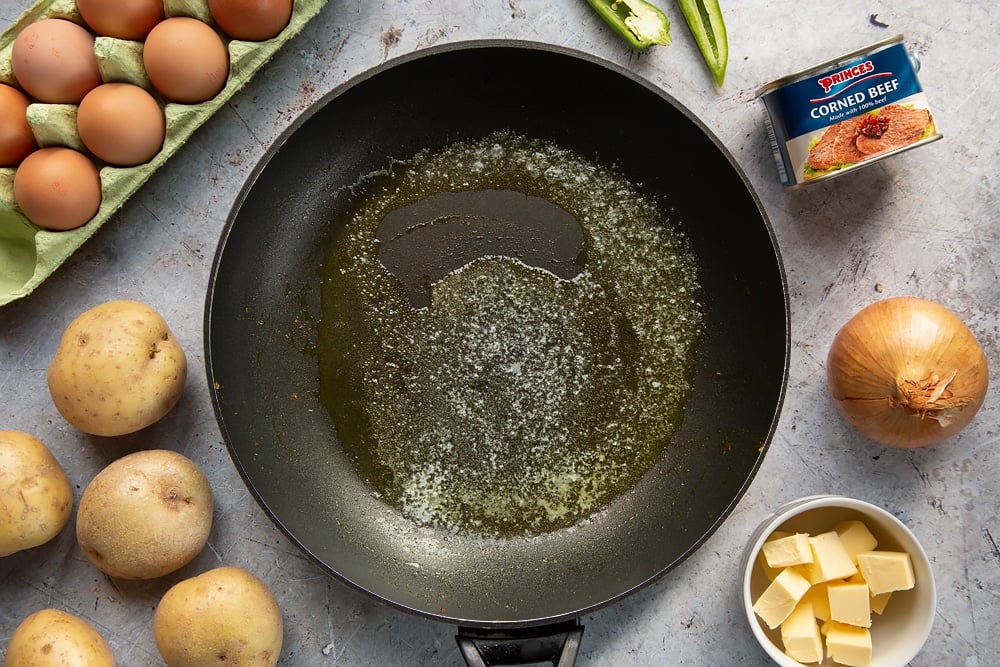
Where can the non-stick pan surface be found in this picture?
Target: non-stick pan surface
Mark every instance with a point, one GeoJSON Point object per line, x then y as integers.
{"type": "Point", "coordinates": [263, 308]}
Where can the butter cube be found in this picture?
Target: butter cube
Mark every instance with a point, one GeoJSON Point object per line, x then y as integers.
{"type": "Point", "coordinates": [855, 537]}
{"type": "Point", "coordinates": [787, 551]}
{"type": "Point", "coordinates": [800, 634]}
{"type": "Point", "coordinates": [850, 602]}
{"type": "Point", "coordinates": [876, 602]}
{"type": "Point", "coordinates": [780, 597]}
{"type": "Point", "coordinates": [848, 644]}
{"type": "Point", "coordinates": [820, 601]}
{"type": "Point", "coordinates": [879, 602]}
{"type": "Point", "coordinates": [830, 559]}
{"type": "Point", "coordinates": [886, 571]}
{"type": "Point", "coordinates": [771, 572]}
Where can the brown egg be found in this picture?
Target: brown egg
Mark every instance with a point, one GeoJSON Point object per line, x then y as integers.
{"type": "Point", "coordinates": [124, 19]}
{"type": "Point", "coordinates": [58, 188]}
{"type": "Point", "coordinates": [251, 20]}
{"type": "Point", "coordinates": [54, 61]}
{"type": "Point", "coordinates": [186, 60]}
{"type": "Point", "coordinates": [121, 124]}
{"type": "Point", "coordinates": [16, 137]}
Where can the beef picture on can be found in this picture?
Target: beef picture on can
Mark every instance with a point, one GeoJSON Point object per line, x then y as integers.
{"type": "Point", "coordinates": [903, 126]}
{"type": "Point", "coordinates": [851, 141]}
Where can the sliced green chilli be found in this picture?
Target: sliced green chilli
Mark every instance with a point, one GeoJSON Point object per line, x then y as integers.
{"type": "Point", "coordinates": [704, 18]}
{"type": "Point", "coordinates": [637, 21]}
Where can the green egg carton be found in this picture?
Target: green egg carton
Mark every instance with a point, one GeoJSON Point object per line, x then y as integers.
{"type": "Point", "coordinates": [29, 254]}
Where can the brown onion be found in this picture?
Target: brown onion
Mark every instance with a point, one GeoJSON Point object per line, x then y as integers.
{"type": "Point", "coordinates": [907, 372]}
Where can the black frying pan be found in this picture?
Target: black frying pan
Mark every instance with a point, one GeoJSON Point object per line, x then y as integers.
{"type": "Point", "coordinates": [263, 307]}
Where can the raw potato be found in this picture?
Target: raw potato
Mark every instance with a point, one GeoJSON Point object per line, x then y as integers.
{"type": "Point", "coordinates": [36, 498]}
{"type": "Point", "coordinates": [147, 514]}
{"type": "Point", "coordinates": [118, 369]}
{"type": "Point", "coordinates": [226, 616]}
{"type": "Point", "coordinates": [54, 638]}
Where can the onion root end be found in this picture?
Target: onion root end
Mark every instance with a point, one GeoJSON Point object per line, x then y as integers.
{"type": "Point", "coordinates": [930, 398]}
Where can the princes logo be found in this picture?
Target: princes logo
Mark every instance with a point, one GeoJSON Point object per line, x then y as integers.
{"type": "Point", "coordinates": [847, 78]}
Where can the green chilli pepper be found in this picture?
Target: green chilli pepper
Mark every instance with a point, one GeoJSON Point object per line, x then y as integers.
{"type": "Point", "coordinates": [704, 18]}
{"type": "Point", "coordinates": [639, 22]}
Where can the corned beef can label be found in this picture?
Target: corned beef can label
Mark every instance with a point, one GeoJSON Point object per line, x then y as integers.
{"type": "Point", "coordinates": [846, 113]}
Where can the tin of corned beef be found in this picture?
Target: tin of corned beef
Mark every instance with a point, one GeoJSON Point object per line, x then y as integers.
{"type": "Point", "coordinates": [846, 113]}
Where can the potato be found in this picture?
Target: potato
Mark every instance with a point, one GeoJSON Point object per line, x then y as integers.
{"type": "Point", "coordinates": [117, 370]}
{"type": "Point", "coordinates": [36, 498]}
{"type": "Point", "coordinates": [145, 515]}
{"type": "Point", "coordinates": [54, 638]}
{"type": "Point", "coordinates": [225, 616]}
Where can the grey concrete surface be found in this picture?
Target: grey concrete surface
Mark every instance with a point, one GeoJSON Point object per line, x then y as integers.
{"type": "Point", "coordinates": [926, 222]}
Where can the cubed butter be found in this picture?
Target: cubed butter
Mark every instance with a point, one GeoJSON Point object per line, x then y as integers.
{"type": "Point", "coordinates": [830, 559]}
{"type": "Point", "coordinates": [826, 605]}
{"type": "Point", "coordinates": [771, 572]}
{"type": "Point", "coordinates": [817, 596]}
{"type": "Point", "coordinates": [848, 644]}
{"type": "Point", "coordinates": [855, 537]}
{"type": "Point", "coordinates": [800, 634]}
{"type": "Point", "coordinates": [787, 551]}
{"type": "Point", "coordinates": [850, 602]}
{"type": "Point", "coordinates": [877, 602]}
{"type": "Point", "coordinates": [886, 571]}
{"type": "Point", "coordinates": [780, 597]}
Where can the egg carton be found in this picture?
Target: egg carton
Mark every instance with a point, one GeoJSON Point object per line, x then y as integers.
{"type": "Point", "coordinates": [30, 254]}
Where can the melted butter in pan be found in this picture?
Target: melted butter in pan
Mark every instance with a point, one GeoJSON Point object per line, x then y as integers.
{"type": "Point", "coordinates": [507, 335]}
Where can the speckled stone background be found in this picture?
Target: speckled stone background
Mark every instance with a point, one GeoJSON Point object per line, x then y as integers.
{"type": "Point", "coordinates": [926, 223]}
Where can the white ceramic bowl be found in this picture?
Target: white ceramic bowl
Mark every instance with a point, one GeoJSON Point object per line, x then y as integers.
{"type": "Point", "coordinates": [899, 633]}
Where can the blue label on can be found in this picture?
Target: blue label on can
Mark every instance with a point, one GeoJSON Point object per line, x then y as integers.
{"type": "Point", "coordinates": [857, 87]}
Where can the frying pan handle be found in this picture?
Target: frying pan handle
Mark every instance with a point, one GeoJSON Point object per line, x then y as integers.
{"type": "Point", "coordinates": [557, 643]}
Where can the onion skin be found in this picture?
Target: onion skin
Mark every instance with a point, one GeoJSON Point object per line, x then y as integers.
{"type": "Point", "coordinates": [907, 372]}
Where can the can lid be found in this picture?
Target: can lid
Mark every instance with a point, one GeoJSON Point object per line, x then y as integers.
{"type": "Point", "coordinates": [833, 62]}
